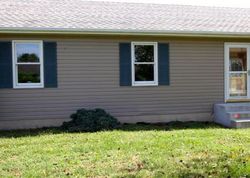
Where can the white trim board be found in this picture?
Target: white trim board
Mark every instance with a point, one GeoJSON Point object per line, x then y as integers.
{"type": "Point", "coordinates": [68, 31]}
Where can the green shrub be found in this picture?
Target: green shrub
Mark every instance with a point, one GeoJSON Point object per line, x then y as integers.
{"type": "Point", "coordinates": [90, 121]}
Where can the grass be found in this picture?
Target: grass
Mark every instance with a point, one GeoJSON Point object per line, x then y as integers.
{"type": "Point", "coordinates": [173, 150]}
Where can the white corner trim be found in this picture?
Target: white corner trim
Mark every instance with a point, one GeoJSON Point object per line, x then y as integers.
{"type": "Point", "coordinates": [17, 85]}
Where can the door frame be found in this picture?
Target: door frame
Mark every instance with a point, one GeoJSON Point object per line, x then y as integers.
{"type": "Point", "coordinates": [227, 46]}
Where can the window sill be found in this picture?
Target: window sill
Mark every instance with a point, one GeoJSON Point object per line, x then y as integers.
{"type": "Point", "coordinates": [28, 87]}
{"type": "Point", "coordinates": [237, 100]}
{"type": "Point", "coordinates": [144, 84]}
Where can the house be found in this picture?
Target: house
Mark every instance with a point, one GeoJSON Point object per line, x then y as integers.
{"type": "Point", "coordinates": [140, 62]}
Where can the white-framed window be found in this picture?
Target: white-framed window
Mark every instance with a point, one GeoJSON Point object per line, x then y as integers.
{"type": "Point", "coordinates": [27, 64]}
{"type": "Point", "coordinates": [144, 63]}
{"type": "Point", "coordinates": [237, 71]}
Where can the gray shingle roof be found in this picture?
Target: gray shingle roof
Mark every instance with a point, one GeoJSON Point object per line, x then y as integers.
{"type": "Point", "coordinates": [80, 15]}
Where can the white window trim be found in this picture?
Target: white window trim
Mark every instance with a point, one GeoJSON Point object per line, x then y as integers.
{"type": "Point", "coordinates": [227, 46]}
{"type": "Point", "coordinates": [14, 66]}
{"type": "Point", "coordinates": [145, 83]}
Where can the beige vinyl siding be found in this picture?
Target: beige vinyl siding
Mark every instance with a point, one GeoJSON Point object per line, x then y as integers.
{"type": "Point", "coordinates": [88, 76]}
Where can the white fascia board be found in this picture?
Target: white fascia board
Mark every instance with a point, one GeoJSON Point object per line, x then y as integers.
{"type": "Point", "coordinates": [123, 32]}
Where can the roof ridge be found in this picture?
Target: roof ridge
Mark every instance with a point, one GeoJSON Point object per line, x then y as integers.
{"type": "Point", "coordinates": [166, 4]}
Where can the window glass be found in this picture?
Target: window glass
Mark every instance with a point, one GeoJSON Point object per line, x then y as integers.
{"type": "Point", "coordinates": [144, 53]}
{"type": "Point", "coordinates": [28, 73]}
{"type": "Point", "coordinates": [238, 84]}
{"type": "Point", "coordinates": [26, 52]}
{"type": "Point", "coordinates": [238, 59]}
{"type": "Point", "coordinates": [144, 72]}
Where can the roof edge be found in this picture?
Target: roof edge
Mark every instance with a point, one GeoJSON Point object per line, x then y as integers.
{"type": "Point", "coordinates": [123, 32]}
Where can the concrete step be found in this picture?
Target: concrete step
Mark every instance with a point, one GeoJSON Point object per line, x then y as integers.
{"type": "Point", "coordinates": [234, 115]}
{"type": "Point", "coordinates": [239, 115]}
{"type": "Point", "coordinates": [243, 123]}
{"type": "Point", "coordinates": [235, 106]}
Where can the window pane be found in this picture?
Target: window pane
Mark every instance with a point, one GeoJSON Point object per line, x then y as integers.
{"type": "Point", "coordinates": [27, 52]}
{"type": "Point", "coordinates": [238, 84]}
{"type": "Point", "coordinates": [28, 73]}
{"type": "Point", "coordinates": [238, 59]}
{"type": "Point", "coordinates": [144, 53]}
{"type": "Point", "coordinates": [144, 72]}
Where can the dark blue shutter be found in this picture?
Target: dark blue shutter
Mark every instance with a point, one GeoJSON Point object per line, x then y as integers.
{"type": "Point", "coordinates": [6, 74]}
{"type": "Point", "coordinates": [125, 64]}
{"type": "Point", "coordinates": [50, 64]}
{"type": "Point", "coordinates": [163, 63]}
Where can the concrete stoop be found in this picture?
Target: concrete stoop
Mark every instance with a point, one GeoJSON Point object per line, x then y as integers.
{"type": "Point", "coordinates": [233, 115]}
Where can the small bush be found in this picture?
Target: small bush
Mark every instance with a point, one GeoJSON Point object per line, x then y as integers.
{"type": "Point", "coordinates": [90, 121]}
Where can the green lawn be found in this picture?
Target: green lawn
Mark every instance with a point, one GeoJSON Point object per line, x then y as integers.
{"type": "Point", "coordinates": [174, 150]}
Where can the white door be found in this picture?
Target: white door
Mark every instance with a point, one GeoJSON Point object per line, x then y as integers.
{"type": "Point", "coordinates": [236, 71]}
